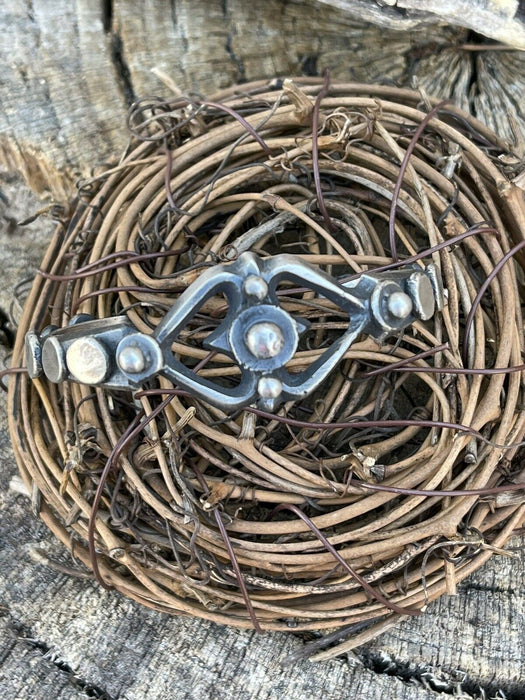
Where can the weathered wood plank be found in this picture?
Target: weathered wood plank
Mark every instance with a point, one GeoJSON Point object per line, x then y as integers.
{"type": "Point", "coordinates": [64, 637]}
{"type": "Point", "coordinates": [61, 102]}
{"type": "Point", "coordinates": [69, 70]}
{"type": "Point", "coordinates": [498, 19]}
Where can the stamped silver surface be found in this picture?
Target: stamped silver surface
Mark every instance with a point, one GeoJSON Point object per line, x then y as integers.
{"type": "Point", "coordinates": [257, 333]}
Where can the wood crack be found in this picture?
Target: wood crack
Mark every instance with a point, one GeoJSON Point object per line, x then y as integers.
{"type": "Point", "coordinates": [90, 690]}
{"type": "Point", "coordinates": [122, 68]}
{"type": "Point", "coordinates": [425, 676]}
{"type": "Point", "coordinates": [238, 62]}
{"type": "Point", "coordinates": [235, 59]}
{"type": "Point", "coordinates": [107, 14]}
{"type": "Point", "coordinates": [486, 588]}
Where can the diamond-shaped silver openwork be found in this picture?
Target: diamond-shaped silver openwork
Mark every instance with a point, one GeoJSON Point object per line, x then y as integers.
{"type": "Point", "coordinates": [257, 333]}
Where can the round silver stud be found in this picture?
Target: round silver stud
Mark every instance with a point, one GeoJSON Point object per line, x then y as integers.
{"type": "Point", "coordinates": [269, 387]}
{"type": "Point", "coordinates": [87, 360]}
{"type": "Point", "coordinates": [131, 359]}
{"type": "Point", "coordinates": [255, 286]}
{"type": "Point", "coordinates": [399, 304]}
{"type": "Point", "coordinates": [264, 340]}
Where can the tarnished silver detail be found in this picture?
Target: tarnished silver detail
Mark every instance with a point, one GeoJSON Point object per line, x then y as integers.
{"type": "Point", "coordinates": [259, 335]}
{"type": "Point", "coordinates": [79, 318]}
{"type": "Point", "coordinates": [382, 313]}
{"type": "Point", "coordinates": [264, 340]}
{"type": "Point", "coordinates": [56, 342]}
{"type": "Point", "coordinates": [139, 357]}
{"type": "Point", "coordinates": [33, 352]}
{"type": "Point", "coordinates": [269, 390]}
{"type": "Point", "coordinates": [87, 360]}
{"type": "Point", "coordinates": [54, 359]}
{"type": "Point", "coordinates": [421, 290]}
{"type": "Point", "coordinates": [131, 360]}
{"type": "Point", "coordinates": [400, 304]}
{"type": "Point", "coordinates": [238, 342]}
{"type": "Point", "coordinates": [269, 387]}
{"type": "Point", "coordinates": [255, 286]}
{"type": "Point", "coordinates": [440, 294]}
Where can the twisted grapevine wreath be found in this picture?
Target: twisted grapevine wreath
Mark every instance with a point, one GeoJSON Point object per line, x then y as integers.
{"type": "Point", "coordinates": [375, 493]}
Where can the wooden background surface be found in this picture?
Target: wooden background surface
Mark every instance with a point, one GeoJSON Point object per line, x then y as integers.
{"type": "Point", "coordinates": [69, 70]}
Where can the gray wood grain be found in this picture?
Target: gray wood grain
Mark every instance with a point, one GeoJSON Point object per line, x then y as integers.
{"type": "Point", "coordinates": [70, 70]}
{"type": "Point", "coordinates": [498, 19]}
{"type": "Point", "coordinates": [63, 637]}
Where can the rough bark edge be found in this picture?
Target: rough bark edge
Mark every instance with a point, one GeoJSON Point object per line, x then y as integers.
{"type": "Point", "coordinates": [496, 19]}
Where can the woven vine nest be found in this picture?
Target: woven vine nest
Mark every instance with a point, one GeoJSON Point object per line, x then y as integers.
{"type": "Point", "coordinates": [368, 499]}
